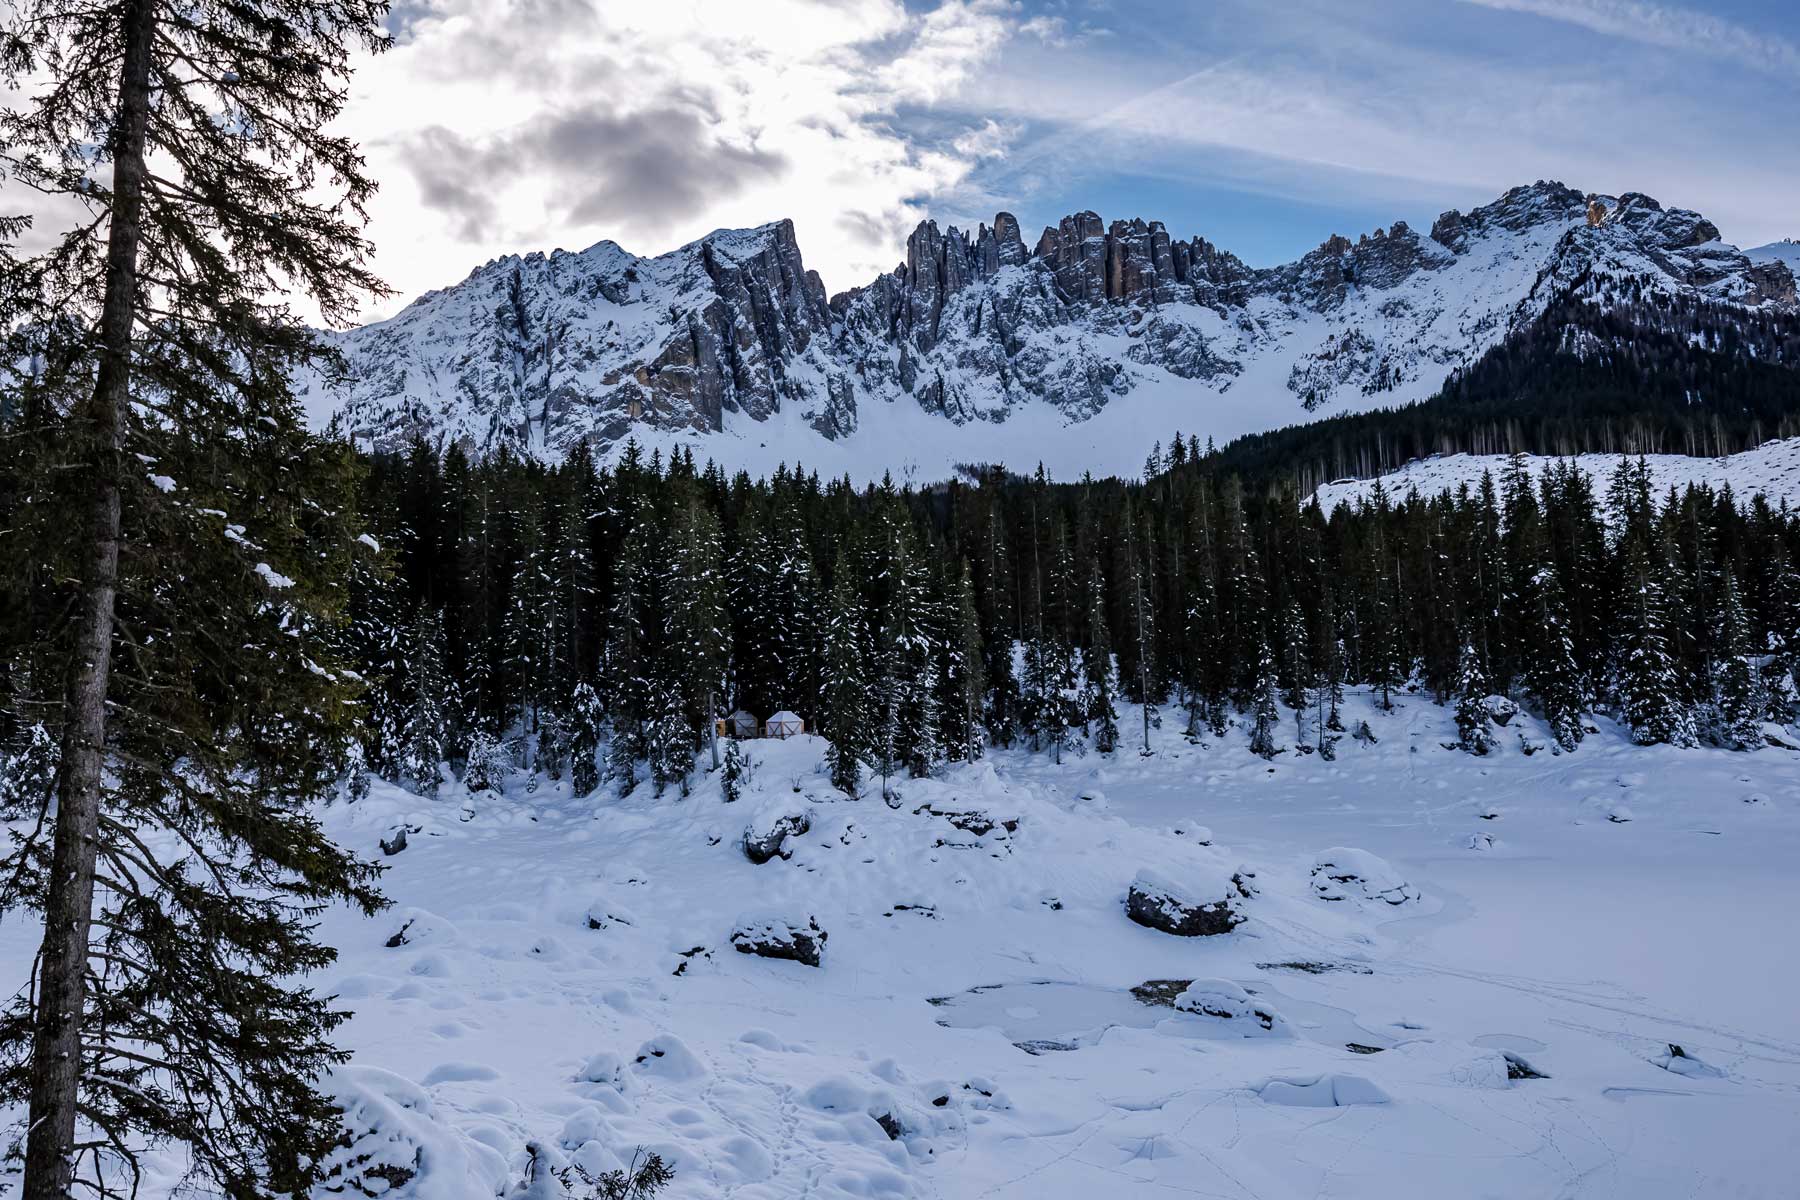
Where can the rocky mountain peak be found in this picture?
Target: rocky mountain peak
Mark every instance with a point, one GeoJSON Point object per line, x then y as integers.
{"type": "Point", "coordinates": [733, 334]}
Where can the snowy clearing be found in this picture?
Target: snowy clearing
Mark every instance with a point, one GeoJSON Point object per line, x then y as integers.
{"type": "Point", "coordinates": [1451, 979]}
{"type": "Point", "coordinates": [1771, 470]}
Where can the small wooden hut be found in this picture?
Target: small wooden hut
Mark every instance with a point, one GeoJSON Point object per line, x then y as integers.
{"type": "Point", "coordinates": [740, 724]}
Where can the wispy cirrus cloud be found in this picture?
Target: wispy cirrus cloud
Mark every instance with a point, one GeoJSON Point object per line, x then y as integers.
{"type": "Point", "coordinates": [1667, 26]}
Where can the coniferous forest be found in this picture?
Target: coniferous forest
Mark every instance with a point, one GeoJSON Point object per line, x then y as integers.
{"type": "Point", "coordinates": [530, 612]}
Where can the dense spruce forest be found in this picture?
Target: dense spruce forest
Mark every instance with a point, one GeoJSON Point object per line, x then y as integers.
{"type": "Point", "coordinates": [529, 612]}
{"type": "Point", "coordinates": [1609, 368]}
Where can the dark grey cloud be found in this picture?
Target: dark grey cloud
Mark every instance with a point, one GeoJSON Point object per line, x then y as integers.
{"type": "Point", "coordinates": [644, 171]}
{"type": "Point", "coordinates": [456, 178]}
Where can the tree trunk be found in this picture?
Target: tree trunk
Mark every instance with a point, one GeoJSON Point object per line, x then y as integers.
{"type": "Point", "coordinates": [68, 906]}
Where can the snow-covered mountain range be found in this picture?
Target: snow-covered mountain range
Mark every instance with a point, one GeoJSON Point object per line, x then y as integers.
{"type": "Point", "coordinates": [1076, 351]}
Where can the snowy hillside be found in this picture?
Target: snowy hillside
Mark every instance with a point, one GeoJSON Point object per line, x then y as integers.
{"type": "Point", "coordinates": [1076, 351]}
{"type": "Point", "coordinates": [1428, 995]}
{"type": "Point", "coordinates": [1771, 470]}
{"type": "Point", "coordinates": [1785, 252]}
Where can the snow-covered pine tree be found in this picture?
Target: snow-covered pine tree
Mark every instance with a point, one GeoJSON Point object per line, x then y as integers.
{"type": "Point", "coordinates": [629, 660]}
{"type": "Point", "coordinates": [584, 724]}
{"type": "Point", "coordinates": [847, 686]}
{"type": "Point", "coordinates": [425, 724]}
{"type": "Point", "coordinates": [1474, 731]}
{"type": "Point", "coordinates": [530, 652]}
{"type": "Point", "coordinates": [1737, 702]}
{"type": "Point", "coordinates": [375, 639]}
{"type": "Point", "coordinates": [1649, 691]}
{"type": "Point", "coordinates": [671, 742]}
{"type": "Point", "coordinates": [488, 763]}
{"type": "Point", "coordinates": [1552, 678]}
{"type": "Point", "coordinates": [1294, 653]}
{"type": "Point", "coordinates": [734, 771]}
{"type": "Point", "coordinates": [998, 610]}
{"type": "Point", "coordinates": [27, 772]}
{"type": "Point", "coordinates": [965, 677]}
{"type": "Point", "coordinates": [552, 750]}
{"type": "Point", "coordinates": [698, 635]}
{"type": "Point", "coordinates": [1781, 680]}
{"type": "Point", "coordinates": [1265, 705]}
{"type": "Point", "coordinates": [1098, 688]}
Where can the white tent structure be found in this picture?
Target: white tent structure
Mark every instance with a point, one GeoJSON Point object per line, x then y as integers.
{"type": "Point", "coordinates": [783, 724]}
{"type": "Point", "coordinates": [740, 724]}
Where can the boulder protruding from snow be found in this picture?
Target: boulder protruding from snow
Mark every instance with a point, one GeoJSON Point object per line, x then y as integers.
{"type": "Point", "coordinates": [776, 937]}
{"type": "Point", "coordinates": [760, 847]}
{"type": "Point", "coordinates": [1157, 902]}
{"type": "Point", "coordinates": [1342, 873]}
{"type": "Point", "coordinates": [1226, 1002]}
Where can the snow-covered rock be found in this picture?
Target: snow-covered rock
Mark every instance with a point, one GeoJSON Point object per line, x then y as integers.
{"type": "Point", "coordinates": [1228, 1003]}
{"type": "Point", "coordinates": [779, 937]}
{"type": "Point", "coordinates": [760, 846]}
{"type": "Point", "coordinates": [1199, 905]}
{"type": "Point", "coordinates": [1343, 873]}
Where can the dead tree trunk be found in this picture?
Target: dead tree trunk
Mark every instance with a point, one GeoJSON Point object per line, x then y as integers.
{"type": "Point", "coordinates": [56, 1058]}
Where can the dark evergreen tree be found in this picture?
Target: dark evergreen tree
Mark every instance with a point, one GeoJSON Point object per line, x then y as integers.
{"type": "Point", "coordinates": [202, 538]}
{"type": "Point", "coordinates": [1737, 707]}
{"type": "Point", "coordinates": [1474, 730]}
{"type": "Point", "coordinates": [964, 673]}
{"type": "Point", "coordinates": [425, 724]}
{"type": "Point", "coordinates": [1650, 694]}
{"type": "Point", "coordinates": [586, 719]}
{"type": "Point", "coordinates": [847, 685]}
{"type": "Point", "coordinates": [1265, 711]}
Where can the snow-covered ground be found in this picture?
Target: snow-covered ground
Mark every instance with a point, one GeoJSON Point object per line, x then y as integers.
{"type": "Point", "coordinates": [1456, 976]}
{"type": "Point", "coordinates": [1771, 469]}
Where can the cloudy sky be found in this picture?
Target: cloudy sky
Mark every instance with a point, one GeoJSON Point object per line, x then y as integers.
{"type": "Point", "coordinates": [499, 126]}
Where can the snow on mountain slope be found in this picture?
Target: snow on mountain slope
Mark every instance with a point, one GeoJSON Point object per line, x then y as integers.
{"type": "Point", "coordinates": [560, 971]}
{"type": "Point", "coordinates": [1786, 253]}
{"type": "Point", "coordinates": [1076, 353]}
{"type": "Point", "coordinates": [1771, 470]}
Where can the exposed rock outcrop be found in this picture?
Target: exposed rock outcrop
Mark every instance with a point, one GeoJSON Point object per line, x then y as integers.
{"type": "Point", "coordinates": [776, 937]}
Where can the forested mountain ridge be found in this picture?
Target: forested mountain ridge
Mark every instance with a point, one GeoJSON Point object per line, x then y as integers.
{"type": "Point", "coordinates": [984, 348]}
{"type": "Point", "coordinates": [1609, 367]}
{"type": "Point", "coordinates": [911, 629]}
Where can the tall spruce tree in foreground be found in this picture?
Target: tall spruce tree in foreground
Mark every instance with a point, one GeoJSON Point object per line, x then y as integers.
{"type": "Point", "coordinates": [201, 711]}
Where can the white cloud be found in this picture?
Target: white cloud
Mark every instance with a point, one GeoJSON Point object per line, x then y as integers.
{"type": "Point", "coordinates": [1666, 26]}
{"type": "Point", "coordinates": [499, 126]}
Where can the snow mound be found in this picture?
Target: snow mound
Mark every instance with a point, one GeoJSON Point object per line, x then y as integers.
{"type": "Point", "coordinates": [1321, 1091]}
{"type": "Point", "coordinates": [1680, 1062]}
{"type": "Point", "coordinates": [395, 1145]}
{"type": "Point", "coordinates": [1229, 1004]}
{"type": "Point", "coordinates": [1595, 809]}
{"type": "Point", "coordinates": [1344, 873]}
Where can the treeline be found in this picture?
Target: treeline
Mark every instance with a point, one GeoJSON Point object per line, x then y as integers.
{"type": "Point", "coordinates": [1609, 368]}
{"type": "Point", "coordinates": [540, 608]}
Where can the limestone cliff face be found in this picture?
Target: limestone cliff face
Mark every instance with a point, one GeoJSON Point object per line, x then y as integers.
{"type": "Point", "coordinates": [542, 352]}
